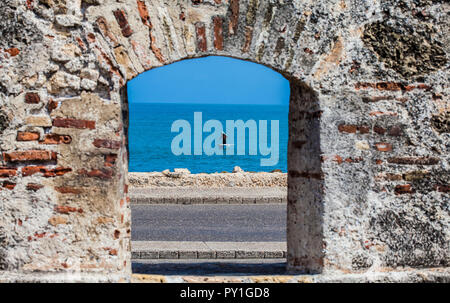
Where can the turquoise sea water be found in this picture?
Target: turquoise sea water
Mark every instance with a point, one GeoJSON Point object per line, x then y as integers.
{"type": "Point", "coordinates": [150, 136]}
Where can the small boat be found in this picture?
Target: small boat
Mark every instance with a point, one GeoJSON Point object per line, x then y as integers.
{"type": "Point", "coordinates": [224, 141]}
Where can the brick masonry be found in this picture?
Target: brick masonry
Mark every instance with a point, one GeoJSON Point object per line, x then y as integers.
{"type": "Point", "coordinates": [368, 152]}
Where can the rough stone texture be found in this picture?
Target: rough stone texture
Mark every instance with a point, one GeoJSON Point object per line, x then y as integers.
{"type": "Point", "coordinates": [364, 75]}
{"type": "Point", "coordinates": [438, 275]}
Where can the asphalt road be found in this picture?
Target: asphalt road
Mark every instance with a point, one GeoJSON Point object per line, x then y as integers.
{"type": "Point", "coordinates": [237, 223]}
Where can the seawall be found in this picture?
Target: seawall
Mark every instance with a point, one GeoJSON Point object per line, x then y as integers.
{"type": "Point", "coordinates": [183, 178]}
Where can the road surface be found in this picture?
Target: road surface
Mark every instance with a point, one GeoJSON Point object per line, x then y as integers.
{"type": "Point", "coordinates": [227, 223]}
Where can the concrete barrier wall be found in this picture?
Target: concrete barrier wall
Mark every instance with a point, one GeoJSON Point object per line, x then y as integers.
{"type": "Point", "coordinates": [183, 178]}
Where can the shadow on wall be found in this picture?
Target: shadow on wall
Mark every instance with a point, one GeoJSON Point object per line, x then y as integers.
{"type": "Point", "coordinates": [305, 182]}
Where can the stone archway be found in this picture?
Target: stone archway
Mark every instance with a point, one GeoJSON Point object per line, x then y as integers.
{"type": "Point", "coordinates": [360, 197]}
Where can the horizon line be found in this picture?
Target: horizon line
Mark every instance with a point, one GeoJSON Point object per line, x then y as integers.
{"type": "Point", "coordinates": [212, 103]}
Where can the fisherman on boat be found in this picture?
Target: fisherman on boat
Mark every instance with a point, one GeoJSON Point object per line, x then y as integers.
{"type": "Point", "coordinates": [224, 139]}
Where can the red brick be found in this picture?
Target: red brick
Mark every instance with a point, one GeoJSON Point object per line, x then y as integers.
{"type": "Point", "coordinates": [347, 128]}
{"type": "Point", "coordinates": [27, 136]}
{"type": "Point", "coordinates": [383, 147]}
{"type": "Point", "coordinates": [423, 86]}
{"type": "Point", "coordinates": [353, 160]}
{"type": "Point", "coordinates": [12, 51]}
{"type": "Point", "coordinates": [363, 129]}
{"type": "Point", "coordinates": [81, 43]}
{"type": "Point", "coordinates": [32, 98]}
{"type": "Point", "coordinates": [30, 4]}
{"type": "Point", "coordinates": [218, 32]}
{"type": "Point", "coordinates": [110, 144]}
{"type": "Point", "coordinates": [338, 159]}
{"type": "Point", "coordinates": [442, 188]}
{"type": "Point", "coordinates": [73, 123]}
{"type": "Point", "coordinates": [66, 209]}
{"type": "Point", "coordinates": [68, 190]}
{"type": "Point", "coordinates": [404, 189]}
{"type": "Point", "coordinates": [9, 185]}
{"type": "Point", "coordinates": [143, 12]}
{"type": "Point", "coordinates": [123, 22]}
{"type": "Point", "coordinates": [56, 139]}
{"type": "Point", "coordinates": [116, 234]}
{"type": "Point", "coordinates": [156, 51]}
{"type": "Point", "coordinates": [47, 172]}
{"type": "Point", "coordinates": [34, 186]}
{"type": "Point", "coordinates": [6, 172]}
{"type": "Point", "coordinates": [352, 128]}
{"type": "Point", "coordinates": [91, 36]}
{"type": "Point", "coordinates": [395, 131]}
{"type": "Point", "coordinates": [52, 105]}
{"type": "Point", "coordinates": [409, 88]}
{"type": "Point", "coordinates": [388, 86]}
{"type": "Point", "coordinates": [30, 155]}
{"type": "Point", "coordinates": [200, 31]}
{"type": "Point", "coordinates": [379, 130]}
{"type": "Point", "coordinates": [97, 173]}
{"type": "Point", "coordinates": [234, 17]}
{"type": "Point", "coordinates": [110, 160]}
{"type": "Point", "coordinates": [414, 160]}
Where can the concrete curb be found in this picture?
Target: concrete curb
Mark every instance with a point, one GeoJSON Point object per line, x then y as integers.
{"type": "Point", "coordinates": [148, 250]}
{"type": "Point", "coordinates": [187, 195]}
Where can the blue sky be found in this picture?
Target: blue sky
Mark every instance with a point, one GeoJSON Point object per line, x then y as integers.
{"type": "Point", "coordinates": [219, 80]}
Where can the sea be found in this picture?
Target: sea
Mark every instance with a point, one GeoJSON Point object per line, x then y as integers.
{"type": "Point", "coordinates": [150, 136]}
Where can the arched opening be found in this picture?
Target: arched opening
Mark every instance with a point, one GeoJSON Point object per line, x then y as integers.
{"type": "Point", "coordinates": [155, 181]}
{"type": "Point", "coordinates": [220, 88]}
{"type": "Point", "coordinates": [189, 195]}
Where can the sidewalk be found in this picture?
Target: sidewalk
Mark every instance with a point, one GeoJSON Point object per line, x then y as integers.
{"type": "Point", "coordinates": [207, 250]}
{"type": "Point", "coordinates": [193, 195]}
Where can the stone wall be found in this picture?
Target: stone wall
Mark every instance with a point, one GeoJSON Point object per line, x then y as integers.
{"type": "Point", "coordinates": [368, 177]}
